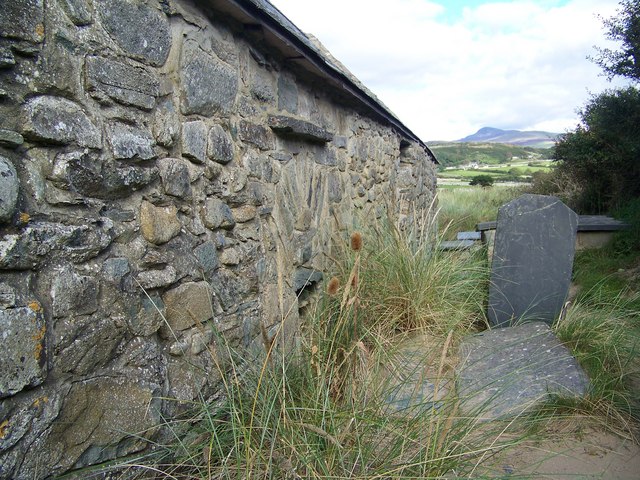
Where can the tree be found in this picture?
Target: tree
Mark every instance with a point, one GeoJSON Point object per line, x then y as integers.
{"type": "Point", "coordinates": [599, 165]}
{"type": "Point", "coordinates": [624, 28]}
{"type": "Point", "coordinates": [482, 180]}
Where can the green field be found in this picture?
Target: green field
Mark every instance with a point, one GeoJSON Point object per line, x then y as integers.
{"type": "Point", "coordinates": [512, 172]}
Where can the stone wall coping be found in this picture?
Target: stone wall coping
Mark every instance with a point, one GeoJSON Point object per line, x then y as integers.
{"type": "Point", "coordinates": [586, 223]}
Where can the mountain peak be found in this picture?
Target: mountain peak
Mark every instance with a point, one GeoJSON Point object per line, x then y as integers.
{"type": "Point", "coordinates": [514, 137]}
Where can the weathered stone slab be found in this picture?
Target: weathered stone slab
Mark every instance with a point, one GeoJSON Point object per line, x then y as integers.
{"type": "Point", "coordinates": [456, 245]}
{"type": "Point", "coordinates": [140, 30]}
{"type": "Point", "coordinates": [507, 371]}
{"type": "Point", "coordinates": [469, 236]}
{"type": "Point", "coordinates": [59, 120]}
{"type": "Point", "coordinates": [294, 127]}
{"type": "Point", "coordinates": [79, 11]}
{"type": "Point", "coordinates": [22, 364]}
{"type": "Point", "coordinates": [123, 83]}
{"type": "Point", "coordinates": [220, 145]}
{"type": "Point", "coordinates": [158, 224]}
{"type": "Point", "coordinates": [305, 277]}
{"type": "Point", "coordinates": [174, 173]}
{"type": "Point", "coordinates": [128, 142]}
{"type": "Point", "coordinates": [9, 187]}
{"type": "Point", "coordinates": [44, 241]}
{"type": "Point", "coordinates": [217, 214]}
{"type": "Point", "coordinates": [23, 19]}
{"type": "Point", "coordinates": [194, 141]}
{"type": "Point", "coordinates": [188, 305]}
{"type": "Point", "coordinates": [532, 260]}
{"type": "Point", "coordinates": [107, 180]}
{"type": "Point", "coordinates": [73, 294]}
{"type": "Point", "coordinates": [409, 383]}
{"type": "Point", "coordinates": [258, 135]}
{"type": "Point", "coordinates": [208, 85]}
{"type": "Point", "coordinates": [10, 138]}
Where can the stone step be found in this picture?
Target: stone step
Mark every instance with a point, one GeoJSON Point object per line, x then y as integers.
{"type": "Point", "coordinates": [456, 245]}
{"type": "Point", "coordinates": [507, 371]}
{"type": "Point", "coordinates": [469, 236]}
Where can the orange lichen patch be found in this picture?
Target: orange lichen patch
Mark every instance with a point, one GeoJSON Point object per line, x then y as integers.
{"type": "Point", "coordinates": [40, 400]}
{"type": "Point", "coordinates": [24, 217]}
{"type": "Point", "coordinates": [35, 306]}
{"type": "Point", "coordinates": [3, 428]}
{"type": "Point", "coordinates": [40, 30]}
{"type": "Point", "coordinates": [39, 343]}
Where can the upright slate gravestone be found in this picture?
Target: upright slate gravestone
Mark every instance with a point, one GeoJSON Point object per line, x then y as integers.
{"type": "Point", "coordinates": [532, 260]}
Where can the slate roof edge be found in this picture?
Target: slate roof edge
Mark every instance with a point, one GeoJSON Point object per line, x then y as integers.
{"type": "Point", "coordinates": [266, 14]}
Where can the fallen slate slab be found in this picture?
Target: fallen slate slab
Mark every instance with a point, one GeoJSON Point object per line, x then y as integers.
{"type": "Point", "coordinates": [507, 371]}
{"type": "Point", "coordinates": [410, 383]}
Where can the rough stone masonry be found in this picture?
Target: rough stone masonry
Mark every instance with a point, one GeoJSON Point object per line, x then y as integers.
{"type": "Point", "coordinates": [162, 160]}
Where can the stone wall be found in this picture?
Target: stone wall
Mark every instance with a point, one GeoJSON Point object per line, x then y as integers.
{"type": "Point", "coordinates": [162, 175]}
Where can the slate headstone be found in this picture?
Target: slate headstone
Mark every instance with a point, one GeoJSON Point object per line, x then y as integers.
{"type": "Point", "coordinates": [506, 371]}
{"type": "Point", "coordinates": [532, 260]}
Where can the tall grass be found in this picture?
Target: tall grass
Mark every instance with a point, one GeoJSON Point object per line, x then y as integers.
{"type": "Point", "coordinates": [461, 209]}
{"type": "Point", "coordinates": [324, 409]}
{"type": "Point", "coordinates": [330, 406]}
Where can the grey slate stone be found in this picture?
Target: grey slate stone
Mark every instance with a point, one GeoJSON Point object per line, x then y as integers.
{"type": "Point", "coordinates": [10, 138]}
{"type": "Point", "coordinates": [116, 268]}
{"type": "Point", "coordinates": [79, 11]}
{"type": "Point", "coordinates": [194, 141]}
{"type": "Point", "coordinates": [44, 241]}
{"type": "Point", "coordinates": [409, 382]}
{"type": "Point", "coordinates": [217, 214]}
{"type": "Point", "coordinates": [129, 142]}
{"type": "Point", "coordinates": [22, 356]}
{"type": "Point", "coordinates": [106, 179]}
{"type": "Point", "coordinates": [141, 31]}
{"type": "Point", "coordinates": [174, 173]}
{"type": "Point", "coordinates": [287, 94]}
{"type": "Point", "coordinates": [208, 85]}
{"type": "Point", "coordinates": [123, 83]}
{"type": "Point", "coordinates": [7, 59]}
{"type": "Point", "coordinates": [207, 256]}
{"type": "Point", "coordinates": [456, 245]}
{"type": "Point", "coordinates": [305, 277]}
{"type": "Point", "coordinates": [532, 260]}
{"type": "Point", "coordinates": [9, 187]}
{"type": "Point", "coordinates": [73, 294]}
{"type": "Point", "coordinates": [22, 19]}
{"type": "Point", "coordinates": [59, 120]}
{"type": "Point", "coordinates": [258, 135]}
{"type": "Point", "coordinates": [294, 127]}
{"type": "Point", "coordinates": [220, 145]}
{"type": "Point", "coordinates": [469, 236]}
{"type": "Point", "coordinates": [507, 371]}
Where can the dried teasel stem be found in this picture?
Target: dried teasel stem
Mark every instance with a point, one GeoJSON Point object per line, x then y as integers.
{"type": "Point", "coordinates": [356, 241]}
{"type": "Point", "coordinates": [333, 286]}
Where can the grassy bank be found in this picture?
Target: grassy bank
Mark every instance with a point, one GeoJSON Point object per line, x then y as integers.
{"type": "Point", "coordinates": [321, 409]}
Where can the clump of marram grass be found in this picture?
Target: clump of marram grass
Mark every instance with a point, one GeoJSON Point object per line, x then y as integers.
{"type": "Point", "coordinates": [319, 410]}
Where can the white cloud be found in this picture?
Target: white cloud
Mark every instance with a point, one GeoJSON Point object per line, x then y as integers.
{"type": "Point", "coordinates": [520, 64]}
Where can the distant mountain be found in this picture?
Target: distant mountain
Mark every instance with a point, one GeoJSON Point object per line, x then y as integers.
{"type": "Point", "coordinates": [513, 137]}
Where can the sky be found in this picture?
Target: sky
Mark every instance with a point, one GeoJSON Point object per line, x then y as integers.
{"type": "Point", "coordinates": [447, 68]}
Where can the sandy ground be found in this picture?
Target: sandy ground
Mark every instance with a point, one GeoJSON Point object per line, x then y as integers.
{"type": "Point", "coordinates": [591, 455]}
